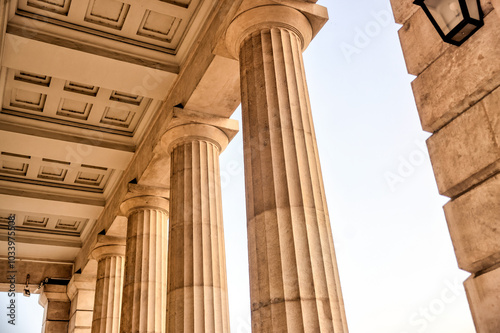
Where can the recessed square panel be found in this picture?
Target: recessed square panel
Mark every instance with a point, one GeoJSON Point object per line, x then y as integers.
{"type": "Point", "coordinates": [55, 6]}
{"type": "Point", "coordinates": [69, 225]}
{"type": "Point", "coordinates": [42, 80]}
{"type": "Point", "coordinates": [4, 217]}
{"type": "Point", "coordinates": [89, 178]}
{"type": "Point", "coordinates": [117, 117]}
{"type": "Point", "coordinates": [74, 109]}
{"type": "Point", "coordinates": [52, 172]}
{"type": "Point", "coordinates": [36, 221]}
{"type": "Point", "coordinates": [81, 88]}
{"type": "Point", "coordinates": [15, 168]}
{"type": "Point", "coordinates": [109, 13]}
{"type": "Point", "coordinates": [14, 164]}
{"type": "Point", "coordinates": [159, 26]}
{"type": "Point", "coordinates": [30, 100]}
{"type": "Point", "coordinates": [126, 98]}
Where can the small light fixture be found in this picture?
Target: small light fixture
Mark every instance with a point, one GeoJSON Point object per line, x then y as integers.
{"type": "Point", "coordinates": [455, 20]}
{"type": "Point", "coordinates": [26, 291]}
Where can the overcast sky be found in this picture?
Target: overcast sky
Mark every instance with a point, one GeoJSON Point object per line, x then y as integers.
{"type": "Point", "coordinates": [396, 260]}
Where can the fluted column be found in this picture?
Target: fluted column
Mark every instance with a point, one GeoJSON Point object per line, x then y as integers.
{"type": "Point", "coordinates": [294, 280]}
{"type": "Point", "coordinates": [144, 287]}
{"type": "Point", "coordinates": [197, 285]}
{"type": "Point", "coordinates": [110, 256]}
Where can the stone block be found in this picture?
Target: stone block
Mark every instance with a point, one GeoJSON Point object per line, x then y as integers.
{"type": "Point", "coordinates": [54, 288]}
{"type": "Point", "coordinates": [56, 310]}
{"type": "Point", "coordinates": [496, 5]}
{"type": "Point", "coordinates": [55, 327]}
{"type": "Point", "coordinates": [459, 78]}
{"type": "Point", "coordinates": [466, 151]}
{"type": "Point", "coordinates": [83, 300]}
{"type": "Point", "coordinates": [483, 293]}
{"type": "Point", "coordinates": [80, 320]}
{"type": "Point", "coordinates": [474, 223]}
{"type": "Point", "coordinates": [403, 10]}
{"type": "Point", "coordinates": [420, 42]}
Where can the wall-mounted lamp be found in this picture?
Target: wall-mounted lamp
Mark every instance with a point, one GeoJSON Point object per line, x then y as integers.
{"type": "Point", "coordinates": [26, 291]}
{"type": "Point", "coordinates": [455, 20]}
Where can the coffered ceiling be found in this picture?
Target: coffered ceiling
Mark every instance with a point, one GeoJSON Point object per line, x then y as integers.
{"type": "Point", "coordinates": [80, 84]}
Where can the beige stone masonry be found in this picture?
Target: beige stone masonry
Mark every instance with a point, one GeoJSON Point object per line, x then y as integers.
{"type": "Point", "coordinates": [458, 99]}
{"type": "Point", "coordinates": [81, 292]}
{"type": "Point", "coordinates": [294, 283]}
{"type": "Point", "coordinates": [56, 304]}
{"type": "Point", "coordinates": [420, 41]}
{"type": "Point", "coordinates": [471, 141]}
{"type": "Point", "coordinates": [110, 255]}
{"type": "Point", "coordinates": [144, 288]}
{"type": "Point", "coordinates": [483, 293]}
{"type": "Point", "coordinates": [474, 224]}
{"type": "Point", "coordinates": [197, 283]}
{"type": "Point", "coordinates": [459, 78]}
{"type": "Point", "coordinates": [404, 9]}
{"type": "Point", "coordinates": [496, 5]}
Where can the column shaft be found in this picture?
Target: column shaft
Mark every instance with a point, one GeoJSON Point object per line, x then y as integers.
{"type": "Point", "coordinates": [197, 287]}
{"type": "Point", "coordinates": [109, 287]}
{"type": "Point", "coordinates": [293, 272]}
{"type": "Point", "coordinates": [144, 289]}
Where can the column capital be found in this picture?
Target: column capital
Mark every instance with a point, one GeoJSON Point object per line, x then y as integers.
{"type": "Point", "coordinates": [132, 204]}
{"type": "Point", "coordinates": [194, 131]}
{"type": "Point", "coordinates": [304, 18]}
{"type": "Point", "coordinates": [107, 246]}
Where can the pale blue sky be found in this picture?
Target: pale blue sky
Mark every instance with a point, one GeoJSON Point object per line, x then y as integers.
{"type": "Point", "coordinates": [396, 260]}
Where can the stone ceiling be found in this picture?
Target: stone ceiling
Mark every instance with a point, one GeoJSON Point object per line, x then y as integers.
{"type": "Point", "coordinates": [81, 82]}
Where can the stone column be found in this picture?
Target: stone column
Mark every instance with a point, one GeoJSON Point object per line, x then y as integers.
{"type": "Point", "coordinates": [144, 288]}
{"type": "Point", "coordinates": [110, 256]}
{"type": "Point", "coordinates": [56, 305]}
{"type": "Point", "coordinates": [294, 281]}
{"type": "Point", "coordinates": [197, 284]}
{"type": "Point", "coordinates": [81, 292]}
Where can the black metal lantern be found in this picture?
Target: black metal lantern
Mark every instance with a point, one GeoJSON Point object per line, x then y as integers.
{"type": "Point", "coordinates": [455, 20]}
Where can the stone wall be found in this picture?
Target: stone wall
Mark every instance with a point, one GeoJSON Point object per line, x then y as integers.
{"type": "Point", "coordinates": [457, 93]}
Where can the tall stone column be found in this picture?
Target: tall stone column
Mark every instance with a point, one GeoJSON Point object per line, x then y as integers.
{"type": "Point", "coordinates": [56, 305]}
{"type": "Point", "coordinates": [197, 284]}
{"type": "Point", "coordinates": [110, 256]}
{"type": "Point", "coordinates": [81, 292]}
{"type": "Point", "coordinates": [144, 288]}
{"type": "Point", "coordinates": [294, 281]}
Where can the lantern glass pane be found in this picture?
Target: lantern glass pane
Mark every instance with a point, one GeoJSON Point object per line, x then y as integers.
{"type": "Point", "coordinates": [446, 13]}
{"type": "Point", "coordinates": [473, 9]}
